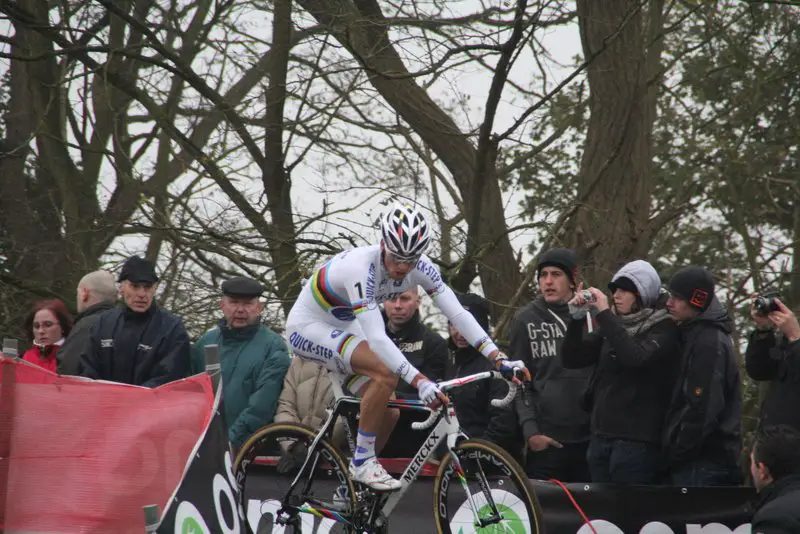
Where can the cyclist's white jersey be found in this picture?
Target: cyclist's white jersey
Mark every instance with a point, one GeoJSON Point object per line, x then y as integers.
{"type": "Point", "coordinates": [338, 307]}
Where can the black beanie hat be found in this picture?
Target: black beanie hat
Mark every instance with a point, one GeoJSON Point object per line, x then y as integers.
{"type": "Point", "coordinates": [563, 258]}
{"type": "Point", "coordinates": [624, 283]}
{"type": "Point", "coordinates": [477, 306]}
{"type": "Point", "coordinates": [695, 285]}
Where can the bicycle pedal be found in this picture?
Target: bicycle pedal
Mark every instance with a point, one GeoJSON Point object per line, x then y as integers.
{"type": "Point", "coordinates": [362, 488]}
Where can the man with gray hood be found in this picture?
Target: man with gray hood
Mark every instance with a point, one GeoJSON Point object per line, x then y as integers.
{"type": "Point", "coordinates": [553, 422]}
{"type": "Point", "coordinates": [634, 347]}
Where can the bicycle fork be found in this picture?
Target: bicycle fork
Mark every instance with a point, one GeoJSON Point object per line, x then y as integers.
{"type": "Point", "coordinates": [480, 522]}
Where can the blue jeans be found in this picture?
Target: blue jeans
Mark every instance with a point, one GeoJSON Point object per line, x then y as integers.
{"type": "Point", "coordinates": [705, 473]}
{"type": "Point", "coordinates": [621, 461]}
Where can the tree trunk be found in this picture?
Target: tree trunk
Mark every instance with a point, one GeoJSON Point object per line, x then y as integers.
{"type": "Point", "coordinates": [277, 184]}
{"type": "Point", "coordinates": [615, 181]}
{"type": "Point", "coordinates": [31, 200]}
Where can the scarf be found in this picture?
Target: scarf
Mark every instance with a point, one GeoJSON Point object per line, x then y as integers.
{"type": "Point", "coordinates": [642, 320]}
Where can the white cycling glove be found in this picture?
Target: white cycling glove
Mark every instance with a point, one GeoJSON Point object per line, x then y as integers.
{"type": "Point", "coordinates": [428, 391]}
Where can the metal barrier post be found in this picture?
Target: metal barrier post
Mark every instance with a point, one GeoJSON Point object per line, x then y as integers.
{"type": "Point", "coordinates": [211, 354]}
{"type": "Point", "coordinates": [10, 347]}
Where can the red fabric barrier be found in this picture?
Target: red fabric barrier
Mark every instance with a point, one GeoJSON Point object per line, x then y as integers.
{"type": "Point", "coordinates": [86, 456]}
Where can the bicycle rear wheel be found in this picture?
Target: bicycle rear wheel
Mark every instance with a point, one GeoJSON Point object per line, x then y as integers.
{"type": "Point", "coordinates": [265, 492]}
{"type": "Point", "coordinates": [501, 494]}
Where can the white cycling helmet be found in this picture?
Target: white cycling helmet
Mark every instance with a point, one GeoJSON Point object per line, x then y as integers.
{"type": "Point", "coordinates": [405, 231]}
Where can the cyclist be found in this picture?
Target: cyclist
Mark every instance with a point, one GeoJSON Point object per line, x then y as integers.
{"type": "Point", "coordinates": [336, 323]}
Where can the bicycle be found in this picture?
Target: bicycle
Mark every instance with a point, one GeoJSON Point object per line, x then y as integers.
{"type": "Point", "coordinates": [496, 506]}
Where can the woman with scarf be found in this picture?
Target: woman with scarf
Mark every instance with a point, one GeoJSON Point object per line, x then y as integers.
{"type": "Point", "coordinates": [47, 325]}
{"type": "Point", "coordinates": [636, 347]}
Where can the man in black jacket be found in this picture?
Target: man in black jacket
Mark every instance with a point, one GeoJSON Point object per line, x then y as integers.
{"type": "Point", "coordinates": [775, 357]}
{"type": "Point", "coordinates": [551, 416]}
{"type": "Point", "coordinates": [775, 466]}
{"type": "Point", "coordinates": [137, 343]}
{"type": "Point", "coordinates": [423, 348]}
{"type": "Point", "coordinates": [97, 293]}
{"type": "Point", "coordinates": [702, 431]}
{"type": "Point", "coordinates": [476, 415]}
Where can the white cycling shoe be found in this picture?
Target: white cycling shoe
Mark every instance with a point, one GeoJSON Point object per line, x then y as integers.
{"type": "Point", "coordinates": [371, 473]}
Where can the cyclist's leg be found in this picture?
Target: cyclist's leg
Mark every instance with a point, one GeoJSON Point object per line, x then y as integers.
{"type": "Point", "coordinates": [379, 390]}
{"type": "Point", "coordinates": [364, 465]}
{"type": "Point", "coordinates": [333, 347]}
{"type": "Point", "coordinates": [357, 385]}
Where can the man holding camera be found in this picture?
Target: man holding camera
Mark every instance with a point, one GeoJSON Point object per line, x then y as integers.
{"type": "Point", "coordinates": [773, 354]}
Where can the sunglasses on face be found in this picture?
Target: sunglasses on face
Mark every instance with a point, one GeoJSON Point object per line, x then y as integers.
{"type": "Point", "coordinates": [45, 324]}
{"type": "Point", "coordinates": [406, 261]}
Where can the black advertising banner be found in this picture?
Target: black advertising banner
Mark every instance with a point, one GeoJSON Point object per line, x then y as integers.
{"type": "Point", "coordinates": [206, 500]}
{"type": "Point", "coordinates": [612, 509]}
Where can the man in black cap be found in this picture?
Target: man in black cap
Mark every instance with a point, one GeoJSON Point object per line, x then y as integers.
{"type": "Point", "coordinates": [138, 342]}
{"type": "Point", "coordinates": [253, 359]}
{"type": "Point", "coordinates": [550, 410]}
{"type": "Point", "coordinates": [702, 436]}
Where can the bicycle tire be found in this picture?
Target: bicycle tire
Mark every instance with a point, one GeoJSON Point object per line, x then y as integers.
{"type": "Point", "coordinates": [292, 431]}
{"type": "Point", "coordinates": [524, 512]}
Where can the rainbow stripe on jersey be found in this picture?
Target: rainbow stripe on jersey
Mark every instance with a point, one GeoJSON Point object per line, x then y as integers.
{"type": "Point", "coordinates": [330, 301]}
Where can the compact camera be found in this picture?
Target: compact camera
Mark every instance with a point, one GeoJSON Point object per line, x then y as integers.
{"type": "Point", "coordinates": [765, 304]}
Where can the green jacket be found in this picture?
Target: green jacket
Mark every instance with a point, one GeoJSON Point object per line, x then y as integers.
{"type": "Point", "coordinates": [254, 360]}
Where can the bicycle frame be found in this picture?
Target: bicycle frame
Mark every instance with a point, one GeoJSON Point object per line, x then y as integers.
{"type": "Point", "coordinates": [445, 420]}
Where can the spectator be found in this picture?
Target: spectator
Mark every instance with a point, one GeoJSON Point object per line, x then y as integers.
{"type": "Point", "coordinates": [47, 324]}
{"type": "Point", "coordinates": [478, 418]}
{"type": "Point", "coordinates": [306, 396]}
{"type": "Point", "coordinates": [775, 466]}
{"type": "Point", "coordinates": [775, 357]}
{"type": "Point", "coordinates": [423, 348]}
{"type": "Point", "coordinates": [635, 350]}
{"type": "Point", "coordinates": [137, 343]}
{"type": "Point", "coordinates": [253, 359]}
{"type": "Point", "coordinates": [97, 293]}
{"type": "Point", "coordinates": [702, 435]}
{"type": "Point", "coordinates": [553, 422]}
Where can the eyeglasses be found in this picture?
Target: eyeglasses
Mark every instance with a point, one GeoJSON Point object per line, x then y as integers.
{"type": "Point", "coordinates": [45, 324]}
{"type": "Point", "coordinates": [406, 261]}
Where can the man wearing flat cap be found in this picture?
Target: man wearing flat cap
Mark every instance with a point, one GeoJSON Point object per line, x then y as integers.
{"type": "Point", "coordinates": [253, 359]}
{"type": "Point", "coordinates": [137, 342]}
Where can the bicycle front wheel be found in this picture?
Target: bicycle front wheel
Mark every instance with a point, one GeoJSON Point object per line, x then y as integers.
{"type": "Point", "coordinates": [320, 500]}
{"type": "Point", "coordinates": [483, 490]}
